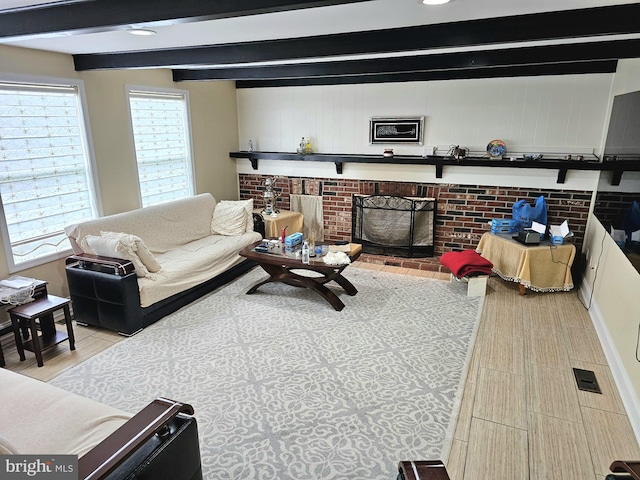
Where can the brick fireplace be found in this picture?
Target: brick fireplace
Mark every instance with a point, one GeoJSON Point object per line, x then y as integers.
{"type": "Point", "coordinates": [393, 225]}
{"type": "Point", "coordinates": [463, 211]}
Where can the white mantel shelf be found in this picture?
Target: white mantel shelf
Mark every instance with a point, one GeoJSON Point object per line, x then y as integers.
{"type": "Point", "coordinates": [440, 162]}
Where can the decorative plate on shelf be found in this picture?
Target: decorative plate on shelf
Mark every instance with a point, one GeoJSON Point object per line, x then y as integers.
{"type": "Point", "coordinates": [496, 148]}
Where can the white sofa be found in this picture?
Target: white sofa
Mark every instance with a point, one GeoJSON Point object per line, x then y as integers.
{"type": "Point", "coordinates": [160, 442]}
{"type": "Point", "coordinates": [192, 247]}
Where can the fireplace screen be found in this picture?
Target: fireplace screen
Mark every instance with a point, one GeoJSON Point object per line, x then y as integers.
{"type": "Point", "coordinates": [398, 226]}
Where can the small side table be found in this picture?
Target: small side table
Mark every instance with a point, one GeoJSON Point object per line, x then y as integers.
{"type": "Point", "coordinates": [273, 225]}
{"type": "Point", "coordinates": [25, 316]}
{"type": "Point", "coordinates": [6, 297]}
{"type": "Point", "coordinates": [541, 268]}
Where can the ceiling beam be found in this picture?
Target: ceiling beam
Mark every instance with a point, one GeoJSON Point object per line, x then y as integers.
{"type": "Point", "coordinates": [424, 63]}
{"type": "Point", "coordinates": [568, 68]}
{"type": "Point", "coordinates": [617, 19]}
{"type": "Point", "coordinates": [103, 15]}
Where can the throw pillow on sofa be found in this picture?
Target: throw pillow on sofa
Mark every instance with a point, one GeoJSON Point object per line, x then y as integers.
{"type": "Point", "coordinates": [230, 217]}
{"type": "Point", "coordinates": [139, 247]}
{"type": "Point", "coordinates": [114, 247]}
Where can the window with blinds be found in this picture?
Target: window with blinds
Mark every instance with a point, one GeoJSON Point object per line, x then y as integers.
{"type": "Point", "coordinates": [45, 175]}
{"type": "Point", "coordinates": [160, 123]}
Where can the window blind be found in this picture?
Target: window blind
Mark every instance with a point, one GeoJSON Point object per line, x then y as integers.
{"type": "Point", "coordinates": [44, 175]}
{"type": "Point", "coordinates": [163, 150]}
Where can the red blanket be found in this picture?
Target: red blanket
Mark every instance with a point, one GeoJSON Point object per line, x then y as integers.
{"type": "Point", "coordinates": [466, 263]}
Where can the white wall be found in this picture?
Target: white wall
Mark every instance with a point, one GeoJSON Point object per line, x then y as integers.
{"type": "Point", "coordinates": [611, 286]}
{"type": "Point", "coordinates": [499, 177]}
{"type": "Point", "coordinates": [214, 133]}
{"type": "Point", "coordinates": [564, 114]}
{"type": "Point", "coordinates": [614, 282]}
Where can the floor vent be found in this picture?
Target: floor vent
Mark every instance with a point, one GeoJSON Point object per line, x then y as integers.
{"type": "Point", "coordinates": [586, 380]}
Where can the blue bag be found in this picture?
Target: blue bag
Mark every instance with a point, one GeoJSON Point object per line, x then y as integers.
{"type": "Point", "coordinates": [524, 214]}
{"type": "Point", "coordinates": [631, 220]}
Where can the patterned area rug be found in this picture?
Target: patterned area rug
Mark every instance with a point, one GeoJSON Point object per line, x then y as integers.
{"type": "Point", "coordinates": [285, 387]}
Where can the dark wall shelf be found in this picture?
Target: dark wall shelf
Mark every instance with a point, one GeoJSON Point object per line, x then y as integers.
{"type": "Point", "coordinates": [440, 162]}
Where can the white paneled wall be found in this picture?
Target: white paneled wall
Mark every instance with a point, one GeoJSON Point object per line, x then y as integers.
{"type": "Point", "coordinates": [548, 113]}
{"type": "Point", "coordinates": [614, 283]}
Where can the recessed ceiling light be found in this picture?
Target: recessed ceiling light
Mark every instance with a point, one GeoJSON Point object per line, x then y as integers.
{"type": "Point", "coordinates": [141, 31]}
{"type": "Point", "coordinates": [435, 2]}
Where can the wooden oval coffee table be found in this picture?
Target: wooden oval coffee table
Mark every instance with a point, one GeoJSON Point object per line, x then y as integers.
{"type": "Point", "coordinates": [279, 266]}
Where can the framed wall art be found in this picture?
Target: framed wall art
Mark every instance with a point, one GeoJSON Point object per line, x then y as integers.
{"type": "Point", "coordinates": [396, 130]}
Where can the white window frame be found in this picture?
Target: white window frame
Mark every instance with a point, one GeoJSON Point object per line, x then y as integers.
{"type": "Point", "coordinates": [189, 140]}
{"type": "Point", "coordinates": [93, 185]}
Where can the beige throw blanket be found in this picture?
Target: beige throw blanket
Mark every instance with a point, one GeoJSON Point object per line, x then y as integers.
{"type": "Point", "coordinates": [311, 208]}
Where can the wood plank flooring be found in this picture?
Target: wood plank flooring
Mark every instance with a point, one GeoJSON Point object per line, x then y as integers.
{"type": "Point", "coordinates": [521, 403]}
{"type": "Point", "coordinates": [89, 341]}
{"type": "Point", "coordinates": [521, 417]}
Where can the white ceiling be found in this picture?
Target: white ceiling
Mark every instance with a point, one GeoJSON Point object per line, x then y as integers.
{"type": "Point", "coordinates": [372, 15]}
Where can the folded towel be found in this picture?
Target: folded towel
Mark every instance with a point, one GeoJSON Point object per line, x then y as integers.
{"type": "Point", "coordinates": [466, 263]}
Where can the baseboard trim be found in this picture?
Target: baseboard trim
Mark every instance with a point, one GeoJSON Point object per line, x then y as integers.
{"type": "Point", "coordinates": [622, 380]}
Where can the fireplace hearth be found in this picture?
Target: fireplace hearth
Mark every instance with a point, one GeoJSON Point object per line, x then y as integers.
{"type": "Point", "coordinates": [393, 225]}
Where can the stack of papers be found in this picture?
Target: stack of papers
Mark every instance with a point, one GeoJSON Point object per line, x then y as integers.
{"type": "Point", "coordinates": [538, 227]}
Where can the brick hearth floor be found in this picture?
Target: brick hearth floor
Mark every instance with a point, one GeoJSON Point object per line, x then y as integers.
{"type": "Point", "coordinates": [431, 264]}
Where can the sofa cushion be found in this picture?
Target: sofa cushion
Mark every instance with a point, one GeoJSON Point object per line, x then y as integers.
{"type": "Point", "coordinates": [230, 217]}
{"type": "Point", "coordinates": [137, 244]}
{"type": "Point", "coordinates": [163, 227]}
{"type": "Point", "coordinates": [110, 246]}
{"type": "Point", "coordinates": [55, 421]}
{"type": "Point", "coordinates": [192, 264]}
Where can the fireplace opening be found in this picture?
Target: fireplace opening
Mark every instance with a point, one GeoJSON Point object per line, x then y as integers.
{"type": "Point", "coordinates": [392, 225]}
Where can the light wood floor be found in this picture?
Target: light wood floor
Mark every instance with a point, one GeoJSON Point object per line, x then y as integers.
{"type": "Point", "coordinates": [89, 341]}
{"type": "Point", "coordinates": [522, 416]}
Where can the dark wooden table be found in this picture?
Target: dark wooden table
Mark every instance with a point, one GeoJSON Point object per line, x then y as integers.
{"type": "Point", "coordinates": [42, 310]}
{"type": "Point", "coordinates": [39, 291]}
{"type": "Point", "coordinates": [279, 266]}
